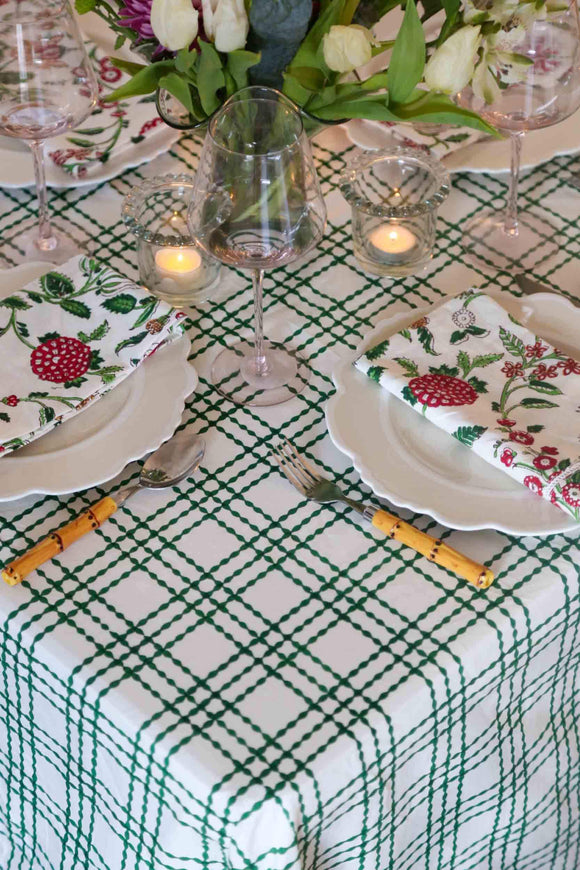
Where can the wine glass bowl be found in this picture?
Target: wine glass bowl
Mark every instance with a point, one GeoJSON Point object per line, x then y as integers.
{"type": "Point", "coordinates": [257, 205]}
{"type": "Point", "coordinates": [541, 89]}
{"type": "Point", "coordinates": [47, 86]}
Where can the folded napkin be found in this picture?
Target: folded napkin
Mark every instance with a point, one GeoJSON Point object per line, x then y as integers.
{"type": "Point", "coordinates": [475, 372]}
{"type": "Point", "coordinates": [69, 337]}
{"type": "Point", "coordinates": [112, 129]}
{"type": "Point", "coordinates": [439, 140]}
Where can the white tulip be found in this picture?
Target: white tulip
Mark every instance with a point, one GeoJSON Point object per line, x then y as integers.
{"type": "Point", "coordinates": [452, 65]}
{"type": "Point", "coordinates": [346, 48]}
{"type": "Point", "coordinates": [226, 22]}
{"type": "Point", "coordinates": [174, 23]}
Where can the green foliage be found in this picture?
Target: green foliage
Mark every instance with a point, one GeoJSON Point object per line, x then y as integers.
{"type": "Point", "coordinates": [468, 435]}
{"type": "Point", "coordinates": [378, 350]}
{"type": "Point", "coordinates": [426, 339]}
{"type": "Point", "coordinates": [74, 306]}
{"type": "Point", "coordinates": [122, 303]}
{"type": "Point", "coordinates": [478, 385]}
{"type": "Point", "coordinates": [408, 396]}
{"type": "Point", "coordinates": [4, 417]}
{"type": "Point", "coordinates": [538, 403]}
{"type": "Point", "coordinates": [444, 369]}
{"type": "Point", "coordinates": [56, 284]}
{"type": "Point", "coordinates": [210, 77]}
{"type": "Point", "coordinates": [46, 415]}
{"type": "Point", "coordinates": [537, 427]}
{"type": "Point", "coordinates": [130, 342]}
{"type": "Point", "coordinates": [15, 303]}
{"type": "Point", "coordinates": [408, 365]}
{"type": "Point", "coordinates": [512, 343]}
{"type": "Point", "coordinates": [84, 6]}
{"type": "Point", "coordinates": [408, 58]}
{"type": "Point", "coordinates": [374, 373]}
{"type": "Point", "coordinates": [545, 387]}
{"type": "Point", "coordinates": [145, 81]}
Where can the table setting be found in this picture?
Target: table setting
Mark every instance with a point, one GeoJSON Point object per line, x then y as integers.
{"type": "Point", "coordinates": [289, 435]}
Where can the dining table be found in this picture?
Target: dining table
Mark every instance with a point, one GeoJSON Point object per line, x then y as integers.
{"type": "Point", "coordinates": [227, 675]}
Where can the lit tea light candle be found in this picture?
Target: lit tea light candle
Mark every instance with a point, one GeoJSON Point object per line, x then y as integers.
{"type": "Point", "coordinates": [183, 266]}
{"type": "Point", "coordinates": [392, 243]}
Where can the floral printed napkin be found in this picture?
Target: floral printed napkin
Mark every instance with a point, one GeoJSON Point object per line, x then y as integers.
{"type": "Point", "coordinates": [112, 128]}
{"type": "Point", "coordinates": [67, 339]}
{"type": "Point", "coordinates": [439, 140]}
{"type": "Point", "coordinates": [475, 372]}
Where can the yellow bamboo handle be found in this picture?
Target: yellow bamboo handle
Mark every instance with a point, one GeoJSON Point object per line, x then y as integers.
{"type": "Point", "coordinates": [434, 549]}
{"type": "Point", "coordinates": [59, 541]}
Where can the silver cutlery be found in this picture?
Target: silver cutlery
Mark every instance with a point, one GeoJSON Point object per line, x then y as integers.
{"type": "Point", "coordinates": [176, 459]}
{"type": "Point", "coordinates": [317, 488]}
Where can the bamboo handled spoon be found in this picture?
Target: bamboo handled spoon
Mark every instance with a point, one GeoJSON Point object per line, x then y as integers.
{"type": "Point", "coordinates": [173, 461]}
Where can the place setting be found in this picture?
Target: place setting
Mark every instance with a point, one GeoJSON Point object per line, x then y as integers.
{"type": "Point", "coordinates": [290, 446]}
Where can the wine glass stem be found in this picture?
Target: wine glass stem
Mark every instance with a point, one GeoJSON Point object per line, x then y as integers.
{"type": "Point", "coordinates": [511, 225]}
{"type": "Point", "coordinates": [261, 361]}
{"type": "Point", "coordinates": [46, 240]}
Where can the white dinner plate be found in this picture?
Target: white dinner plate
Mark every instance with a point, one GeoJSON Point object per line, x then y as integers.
{"type": "Point", "coordinates": [487, 155]}
{"type": "Point", "coordinates": [96, 444]}
{"type": "Point", "coordinates": [411, 462]}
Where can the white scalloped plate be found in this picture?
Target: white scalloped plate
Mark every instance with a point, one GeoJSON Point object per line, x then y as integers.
{"type": "Point", "coordinates": [411, 462]}
{"type": "Point", "coordinates": [95, 445]}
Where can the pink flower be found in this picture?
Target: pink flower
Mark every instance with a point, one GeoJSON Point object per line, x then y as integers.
{"type": "Point", "coordinates": [506, 422]}
{"type": "Point", "coordinates": [571, 494]}
{"type": "Point", "coordinates": [543, 371]}
{"type": "Point", "coordinates": [11, 401]}
{"type": "Point", "coordinates": [569, 366]}
{"type": "Point", "coordinates": [108, 72]}
{"type": "Point", "coordinates": [507, 457]}
{"type": "Point", "coordinates": [551, 451]}
{"type": "Point", "coordinates": [534, 483]}
{"type": "Point", "coordinates": [513, 370]}
{"type": "Point", "coordinates": [536, 351]}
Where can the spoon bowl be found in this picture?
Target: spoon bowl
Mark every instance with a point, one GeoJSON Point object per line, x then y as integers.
{"type": "Point", "coordinates": [173, 461]}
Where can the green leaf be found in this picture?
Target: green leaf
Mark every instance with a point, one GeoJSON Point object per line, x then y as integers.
{"type": "Point", "coordinates": [563, 464]}
{"type": "Point", "coordinates": [73, 306]}
{"type": "Point", "coordinates": [98, 333]}
{"type": "Point", "coordinates": [56, 284]}
{"type": "Point", "coordinates": [444, 370]}
{"type": "Point", "coordinates": [47, 337]}
{"type": "Point", "coordinates": [15, 303]}
{"type": "Point", "coordinates": [378, 350]}
{"type": "Point", "coordinates": [96, 360]}
{"type": "Point", "coordinates": [122, 303]}
{"type": "Point", "coordinates": [46, 415]}
{"type": "Point", "coordinates": [426, 339]}
{"type": "Point", "coordinates": [81, 143]}
{"type": "Point", "coordinates": [439, 109]}
{"type": "Point", "coordinates": [458, 336]}
{"type": "Point", "coordinates": [127, 65]}
{"type": "Point", "coordinates": [210, 77]}
{"type": "Point", "coordinates": [145, 81]}
{"type": "Point", "coordinates": [4, 417]}
{"type": "Point", "coordinates": [308, 54]}
{"type": "Point", "coordinates": [408, 365]}
{"type": "Point", "coordinates": [36, 297]}
{"type": "Point", "coordinates": [77, 382]}
{"type": "Point", "coordinates": [477, 330]}
{"type": "Point", "coordinates": [374, 373]}
{"type": "Point", "coordinates": [537, 427]}
{"type": "Point", "coordinates": [84, 6]}
{"type": "Point", "coordinates": [408, 57]}
{"type": "Point", "coordinates": [485, 359]}
{"type": "Point", "coordinates": [512, 343]}
{"type": "Point", "coordinates": [544, 387]}
{"type": "Point", "coordinates": [179, 88]}
{"type": "Point", "coordinates": [238, 64]}
{"type": "Point", "coordinates": [468, 435]}
{"type": "Point", "coordinates": [408, 395]}
{"type": "Point", "coordinates": [478, 385]}
{"type": "Point", "coordinates": [464, 362]}
{"type": "Point", "coordinates": [129, 342]}
{"type": "Point", "coordinates": [22, 329]}
{"type": "Point", "coordinates": [538, 403]}
{"type": "Point", "coordinates": [406, 334]}
{"type": "Point", "coordinates": [42, 395]}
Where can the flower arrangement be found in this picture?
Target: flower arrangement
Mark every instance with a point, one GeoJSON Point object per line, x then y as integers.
{"type": "Point", "coordinates": [203, 51]}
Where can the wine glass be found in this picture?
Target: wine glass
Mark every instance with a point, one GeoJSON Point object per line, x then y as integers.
{"type": "Point", "coordinates": [540, 89]}
{"type": "Point", "coordinates": [47, 86]}
{"type": "Point", "coordinates": [257, 205]}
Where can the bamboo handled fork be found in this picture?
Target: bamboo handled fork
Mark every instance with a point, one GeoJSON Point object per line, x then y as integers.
{"type": "Point", "coordinates": [310, 483]}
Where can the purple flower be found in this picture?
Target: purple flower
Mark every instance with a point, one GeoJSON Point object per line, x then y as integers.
{"type": "Point", "coordinates": [136, 14]}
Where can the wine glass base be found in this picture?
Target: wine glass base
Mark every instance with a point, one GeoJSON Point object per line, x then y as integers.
{"type": "Point", "coordinates": [25, 248]}
{"type": "Point", "coordinates": [489, 246]}
{"type": "Point", "coordinates": [235, 376]}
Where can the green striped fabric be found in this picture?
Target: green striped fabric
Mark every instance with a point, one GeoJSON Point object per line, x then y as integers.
{"type": "Point", "coordinates": [227, 676]}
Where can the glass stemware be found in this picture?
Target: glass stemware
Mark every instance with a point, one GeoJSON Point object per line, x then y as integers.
{"type": "Point", "coordinates": [257, 205]}
{"type": "Point", "coordinates": [47, 86]}
{"type": "Point", "coordinates": [540, 89]}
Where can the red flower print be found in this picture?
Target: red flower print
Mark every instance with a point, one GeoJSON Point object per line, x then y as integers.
{"type": "Point", "coordinates": [534, 483]}
{"type": "Point", "coordinates": [507, 457]}
{"type": "Point", "coordinates": [513, 370]}
{"type": "Point", "coordinates": [569, 366]}
{"type": "Point", "coordinates": [543, 371]}
{"type": "Point", "coordinates": [108, 72]}
{"type": "Point", "coordinates": [63, 155]}
{"type": "Point", "coordinates": [150, 125]}
{"type": "Point", "coordinates": [507, 422]}
{"type": "Point", "coordinates": [551, 451]}
{"type": "Point", "coordinates": [553, 494]}
{"type": "Point", "coordinates": [12, 401]}
{"type": "Point", "coordinates": [571, 494]}
{"type": "Point", "coordinates": [544, 463]}
{"type": "Point", "coordinates": [536, 351]}
{"type": "Point", "coordinates": [60, 359]}
{"type": "Point", "coordinates": [522, 437]}
{"type": "Point", "coordinates": [435, 390]}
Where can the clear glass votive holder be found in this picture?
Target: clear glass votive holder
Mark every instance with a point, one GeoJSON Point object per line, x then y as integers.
{"type": "Point", "coordinates": [394, 195]}
{"type": "Point", "coordinates": [171, 265]}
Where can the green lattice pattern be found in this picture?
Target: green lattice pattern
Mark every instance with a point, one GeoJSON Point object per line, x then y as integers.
{"type": "Point", "coordinates": [227, 676]}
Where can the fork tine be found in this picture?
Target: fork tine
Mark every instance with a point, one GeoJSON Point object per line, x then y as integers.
{"type": "Point", "coordinates": [288, 471]}
{"type": "Point", "coordinates": [298, 471]}
{"type": "Point", "coordinates": [305, 466]}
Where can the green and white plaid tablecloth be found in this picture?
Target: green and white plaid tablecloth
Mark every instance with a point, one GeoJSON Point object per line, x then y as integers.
{"type": "Point", "coordinates": [227, 676]}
